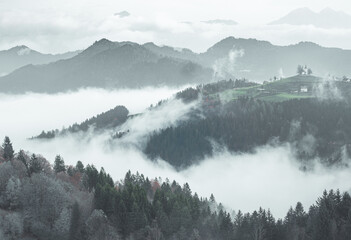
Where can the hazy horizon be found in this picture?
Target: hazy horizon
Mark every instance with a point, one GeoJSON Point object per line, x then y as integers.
{"type": "Point", "coordinates": [74, 26]}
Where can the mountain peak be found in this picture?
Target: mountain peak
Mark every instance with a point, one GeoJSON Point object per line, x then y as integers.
{"type": "Point", "coordinates": [228, 44]}
{"type": "Point", "coordinates": [102, 42]}
{"type": "Point", "coordinates": [19, 47]}
{"type": "Point", "coordinates": [232, 41]}
{"type": "Point", "coordinates": [21, 50]}
{"type": "Point", "coordinates": [326, 18]}
{"type": "Point", "coordinates": [98, 46]}
{"type": "Point", "coordinates": [307, 44]}
{"type": "Point", "coordinates": [151, 44]}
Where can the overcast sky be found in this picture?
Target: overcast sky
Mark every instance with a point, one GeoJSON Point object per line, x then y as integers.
{"type": "Point", "coordinates": [62, 25]}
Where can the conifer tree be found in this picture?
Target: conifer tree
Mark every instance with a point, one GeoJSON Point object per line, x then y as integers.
{"type": "Point", "coordinates": [22, 158]}
{"type": "Point", "coordinates": [80, 167]}
{"type": "Point", "coordinates": [59, 165]}
{"type": "Point", "coordinates": [35, 165]}
{"type": "Point", "coordinates": [8, 149]}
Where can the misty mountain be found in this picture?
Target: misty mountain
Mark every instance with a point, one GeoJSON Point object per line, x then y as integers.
{"type": "Point", "coordinates": [260, 60]}
{"type": "Point", "coordinates": [327, 18]}
{"type": "Point", "coordinates": [20, 56]}
{"type": "Point", "coordinates": [106, 64]}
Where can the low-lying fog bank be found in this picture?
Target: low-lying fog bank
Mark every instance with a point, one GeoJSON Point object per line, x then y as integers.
{"type": "Point", "coordinates": [270, 177]}
{"type": "Point", "coordinates": [23, 116]}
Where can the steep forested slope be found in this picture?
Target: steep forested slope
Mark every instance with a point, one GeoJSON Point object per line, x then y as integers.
{"type": "Point", "coordinates": [38, 201]}
{"type": "Point", "coordinates": [106, 120]}
{"type": "Point", "coordinates": [314, 124]}
{"type": "Point", "coordinates": [246, 123]}
{"type": "Point", "coordinates": [315, 127]}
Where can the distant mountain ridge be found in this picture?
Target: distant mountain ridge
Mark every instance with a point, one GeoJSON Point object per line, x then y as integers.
{"type": "Point", "coordinates": [327, 18]}
{"type": "Point", "coordinates": [107, 64]}
{"type": "Point", "coordinates": [261, 60]}
{"type": "Point", "coordinates": [20, 56]}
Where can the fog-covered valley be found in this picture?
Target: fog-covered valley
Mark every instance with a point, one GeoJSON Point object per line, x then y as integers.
{"type": "Point", "coordinates": [243, 178]}
{"type": "Point", "coordinates": [63, 109]}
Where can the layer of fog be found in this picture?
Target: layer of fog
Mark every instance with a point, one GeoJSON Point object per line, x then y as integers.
{"type": "Point", "coordinates": [24, 116]}
{"type": "Point", "coordinates": [270, 177]}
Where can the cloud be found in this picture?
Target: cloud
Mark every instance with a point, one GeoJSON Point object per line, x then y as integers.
{"type": "Point", "coordinates": [226, 67]}
{"type": "Point", "coordinates": [221, 21]}
{"type": "Point", "coordinates": [270, 177]}
{"type": "Point", "coordinates": [281, 73]}
{"type": "Point", "coordinates": [166, 115]}
{"type": "Point", "coordinates": [29, 114]}
{"type": "Point", "coordinates": [122, 14]}
{"type": "Point", "coordinates": [327, 90]}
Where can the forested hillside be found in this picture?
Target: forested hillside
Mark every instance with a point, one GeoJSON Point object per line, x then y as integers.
{"type": "Point", "coordinates": [106, 120]}
{"type": "Point", "coordinates": [119, 115]}
{"type": "Point", "coordinates": [315, 128]}
{"type": "Point", "coordinates": [40, 201]}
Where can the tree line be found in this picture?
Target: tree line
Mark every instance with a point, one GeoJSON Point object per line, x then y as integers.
{"type": "Point", "coordinates": [110, 119]}
{"type": "Point", "coordinates": [80, 202]}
